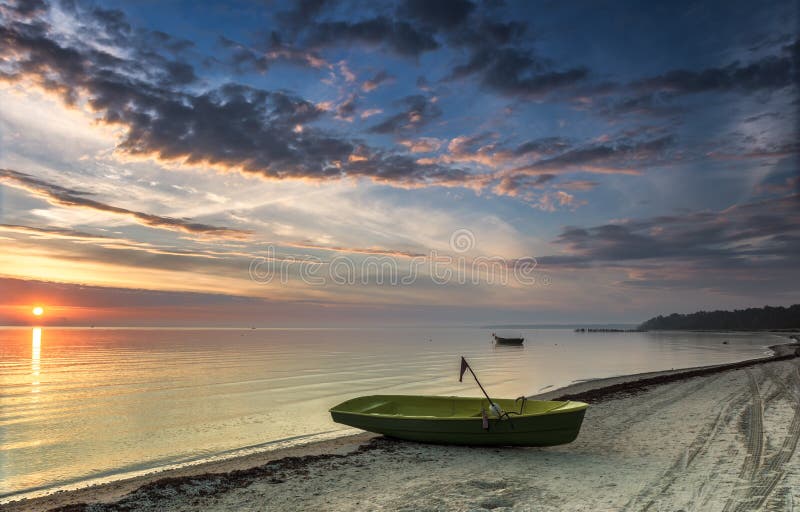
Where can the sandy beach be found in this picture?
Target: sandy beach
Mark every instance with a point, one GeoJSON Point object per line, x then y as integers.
{"type": "Point", "coordinates": [720, 438]}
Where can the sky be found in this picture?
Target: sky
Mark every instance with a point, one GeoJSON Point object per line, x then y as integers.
{"type": "Point", "coordinates": [347, 163]}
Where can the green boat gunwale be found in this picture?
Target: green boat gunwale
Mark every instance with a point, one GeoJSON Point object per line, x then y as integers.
{"type": "Point", "coordinates": [561, 409]}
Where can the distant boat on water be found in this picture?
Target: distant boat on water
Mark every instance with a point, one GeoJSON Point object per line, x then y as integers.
{"type": "Point", "coordinates": [507, 341]}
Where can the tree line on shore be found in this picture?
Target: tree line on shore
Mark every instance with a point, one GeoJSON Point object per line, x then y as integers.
{"type": "Point", "coordinates": [768, 317]}
{"type": "Point", "coordinates": [592, 329]}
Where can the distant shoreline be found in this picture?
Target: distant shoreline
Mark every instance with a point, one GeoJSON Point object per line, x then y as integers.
{"type": "Point", "coordinates": [587, 391]}
{"type": "Point", "coordinates": [593, 391]}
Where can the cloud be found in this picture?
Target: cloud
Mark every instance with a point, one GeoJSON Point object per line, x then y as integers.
{"type": "Point", "coordinates": [379, 251]}
{"type": "Point", "coordinates": [148, 53]}
{"type": "Point", "coordinates": [85, 296]}
{"type": "Point", "coordinates": [657, 95]}
{"type": "Point", "coordinates": [61, 196]}
{"type": "Point", "coordinates": [771, 72]}
{"type": "Point", "coordinates": [371, 112]}
{"type": "Point", "coordinates": [582, 185]}
{"type": "Point", "coordinates": [422, 145]}
{"type": "Point", "coordinates": [515, 72]}
{"type": "Point", "coordinates": [442, 14]}
{"type": "Point", "coordinates": [419, 111]}
{"type": "Point", "coordinates": [623, 156]}
{"type": "Point", "coordinates": [764, 234]}
{"type": "Point", "coordinates": [347, 109]}
{"type": "Point", "coordinates": [348, 75]}
{"type": "Point", "coordinates": [50, 233]}
{"type": "Point", "coordinates": [542, 146]}
{"type": "Point", "coordinates": [397, 35]}
{"type": "Point", "coordinates": [404, 171]}
{"type": "Point", "coordinates": [244, 58]}
{"type": "Point", "coordinates": [486, 32]}
{"type": "Point", "coordinates": [482, 148]}
{"type": "Point", "coordinates": [382, 77]}
{"type": "Point", "coordinates": [400, 37]}
{"type": "Point", "coordinates": [773, 150]}
{"type": "Point", "coordinates": [550, 202]}
{"type": "Point", "coordinates": [302, 13]}
{"type": "Point", "coordinates": [513, 184]}
{"type": "Point", "coordinates": [230, 127]}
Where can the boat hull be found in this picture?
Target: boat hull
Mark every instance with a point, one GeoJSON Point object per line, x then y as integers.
{"type": "Point", "coordinates": [535, 429]}
{"type": "Point", "coordinates": [509, 341]}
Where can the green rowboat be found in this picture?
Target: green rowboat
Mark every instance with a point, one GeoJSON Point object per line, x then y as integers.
{"type": "Point", "coordinates": [456, 420]}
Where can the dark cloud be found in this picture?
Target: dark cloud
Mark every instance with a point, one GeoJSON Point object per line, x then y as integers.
{"type": "Point", "coordinates": [516, 72]}
{"type": "Point", "coordinates": [654, 104]}
{"type": "Point", "coordinates": [347, 109]}
{"type": "Point", "coordinates": [113, 21]}
{"type": "Point", "coordinates": [26, 8]}
{"type": "Point", "coordinates": [400, 37]}
{"type": "Point", "coordinates": [772, 72]}
{"type": "Point", "coordinates": [582, 185]}
{"type": "Point", "coordinates": [441, 14]}
{"type": "Point", "coordinates": [418, 111]}
{"type": "Point", "coordinates": [750, 236]}
{"type": "Point", "coordinates": [62, 196]}
{"type": "Point", "coordinates": [302, 13]}
{"type": "Point", "coordinates": [515, 184]}
{"type": "Point", "coordinates": [620, 155]}
{"type": "Point", "coordinates": [244, 58]}
{"type": "Point", "coordinates": [544, 146]}
{"type": "Point", "coordinates": [152, 52]}
{"type": "Point", "coordinates": [488, 33]}
{"type": "Point", "coordinates": [174, 45]}
{"type": "Point", "coordinates": [232, 126]}
{"type": "Point", "coordinates": [178, 73]}
{"type": "Point", "coordinates": [747, 149]}
{"type": "Point", "coordinates": [498, 55]}
{"type": "Point", "coordinates": [658, 95]}
{"type": "Point", "coordinates": [299, 30]}
{"type": "Point", "coordinates": [405, 170]}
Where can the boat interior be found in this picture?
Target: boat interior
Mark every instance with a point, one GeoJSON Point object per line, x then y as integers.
{"type": "Point", "coordinates": [447, 406]}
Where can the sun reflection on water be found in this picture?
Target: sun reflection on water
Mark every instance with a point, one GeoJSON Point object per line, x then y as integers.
{"type": "Point", "coordinates": [36, 354]}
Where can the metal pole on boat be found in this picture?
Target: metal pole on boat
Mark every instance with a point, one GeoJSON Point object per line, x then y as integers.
{"type": "Point", "coordinates": [492, 406]}
{"type": "Point", "coordinates": [465, 366]}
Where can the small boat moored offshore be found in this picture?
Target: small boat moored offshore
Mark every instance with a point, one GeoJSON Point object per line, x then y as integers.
{"type": "Point", "coordinates": [456, 420]}
{"type": "Point", "coordinates": [507, 341]}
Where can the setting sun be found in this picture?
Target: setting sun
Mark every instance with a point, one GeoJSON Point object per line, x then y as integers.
{"type": "Point", "coordinates": [38, 310]}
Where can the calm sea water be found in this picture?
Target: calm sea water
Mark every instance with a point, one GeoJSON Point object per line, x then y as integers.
{"type": "Point", "coordinates": [82, 405]}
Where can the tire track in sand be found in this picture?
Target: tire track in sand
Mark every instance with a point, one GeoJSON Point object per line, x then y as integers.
{"type": "Point", "coordinates": [637, 415]}
{"type": "Point", "coordinates": [731, 406]}
{"type": "Point", "coordinates": [773, 471]}
{"type": "Point", "coordinates": [698, 445]}
{"type": "Point", "coordinates": [755, 444]}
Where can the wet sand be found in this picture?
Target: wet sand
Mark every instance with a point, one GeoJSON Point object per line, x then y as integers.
{"type": "Point", "coordinates": [718, 438]}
